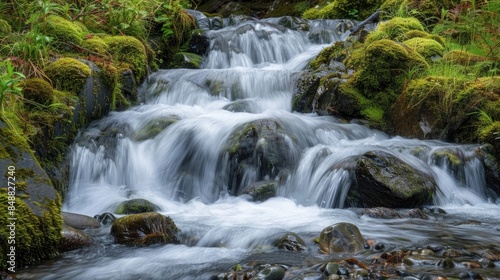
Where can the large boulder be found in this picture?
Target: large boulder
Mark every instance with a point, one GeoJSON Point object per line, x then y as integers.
{"type": "Point", "coordinates": [29, 198]}
{"type": "Point", "coordinates": [144, 229]}
{"type": "Point", "coordinates": [383, 180]}
{"type": "Point", "coordinates": [341, 238]}
{"type": "Point", "coordinates": [258, 151]}
{"type": "Point", "coordinates": [74, 239]}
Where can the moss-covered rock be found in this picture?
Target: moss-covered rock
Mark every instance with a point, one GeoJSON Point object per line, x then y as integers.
{"type": "Point", "coordinates": [135, 206]}
{"type": "Point", "coordinates": [63, 31]}
{"type": "Point", "coordinates": [381, 69]}
{"type": "Point", "coordinates": [340, 9]}
{"type": "Point", "coordinates": [153, 127]}
{"type": "Point", "coordinates": [37, 90]}
{"type": "Point", "coordinates": [398, 26]}
{"type": "Point", "coordinates": [383, 180]}
{"type": "Point", "coordinates": [186, 60]}
{"type": "Point", "coordinates": [131, 51]}
{"type": "Point", "coordinates": [261, 191]}
{"type": "Point", "coordinates": [144, 229]}
{"type": "Point", "coordinates": [35, 205]}
{"type": "Point", "coordinates": [428, 48]}
{"type": "Point", "coordinates": [95, 44]}
{"type": "Point", "coordinates": [425, 107]}
{"type": "Point", "coordinates": [422, 34]}
{"type": "Point", "coordinates": [68, 74]}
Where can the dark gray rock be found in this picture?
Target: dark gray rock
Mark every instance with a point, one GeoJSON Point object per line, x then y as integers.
{"type": "Point", "coordinates": [79, 221]}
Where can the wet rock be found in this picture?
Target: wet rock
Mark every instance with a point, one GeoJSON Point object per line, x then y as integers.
{"type": "Point", "coordinates": [135, 206]}
{"type": "Point", "coordinates": [486, 262]}
{"type": "Point", "coordinates": [73, 238]}
{"type": "Point", "coordinates": [144, 229]}
{"type": "Point", "coordinates": [274, 272]}
{"type": "Point", "coordinates": [341, 238]}
{"type": "Point", "coordinates": [471, 275]}
{"type": "Point", "coordinates": [258, 150]}
{"type": "Point", "coordinates": [105, 219]}
{"type": "Point", "coordinates": [435, 247]}
{"type": "Point", "coordinates": [310, 276]}
{"type": "Point", "coordinates": [291, 242]}
{"type": "Point", "coordinates": [383, 180]}
{"type": "Point", "coordinates": [416, 214]}
{"type": "Point", "coordinates": [446, 263]}
{"type": "Point", "coordinates": [382, 213]}
{"type": "Point", "coordinates": [240, 106]}
{"type": "Point", "coordinates": [261, 191]}
{"type": "Point", "coordinates": [330, 268]}
{"type": "Point", "coordinates": [79, 221]}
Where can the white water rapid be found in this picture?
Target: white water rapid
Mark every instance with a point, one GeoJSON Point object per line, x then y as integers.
{"type": "Point", "coordinates": [175, 151]}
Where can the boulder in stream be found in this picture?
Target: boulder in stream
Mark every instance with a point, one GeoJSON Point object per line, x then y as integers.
{"type": "Point", "coordinates": [144, 229]}
{"type": "Point", "coordinates": [341, 238]}
{"type": "Point", "coordinates": [383, 180]}
{"type": "Point", "coordinates": [73, 239]}
{"type": "Point", "coordinates": [79, 221]}
{"type": "Point", "coordinates": [135, 206]}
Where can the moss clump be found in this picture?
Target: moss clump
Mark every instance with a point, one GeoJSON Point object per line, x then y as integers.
{"type": "Point", "coordinates": [63, 30]}
{"type": "Point", "coordinates": [462, 57]}
{"type": "Point", "coordinates": [5, 28]}
{"type": "Point", "coordinates": [37, 90]}
{"type": "Point", "coordinates": [95, 44]}
{"type": "Point", "coordinates": [398, 26]}
{"type": "Point", "coordinates": [490, 134]}
{"type": "Point", "coordinates": [428, 48]}
{"type": "Point", "coordinates": [153, 128]}
{"type": "Point", "coordinates": [422, 34]}
{"type": "Point", "coordinates": [334, 51]}
{"type": "Point", "coordinates": [36, 234]}
{"type": "Point", "coordinates": [382, 66]}
{"type": "Point", "coordinates": [129, 50]}
{"type": "Point", "coordinates": [339, 9]}
{"type": "Point", "coordinates": [68, 74]}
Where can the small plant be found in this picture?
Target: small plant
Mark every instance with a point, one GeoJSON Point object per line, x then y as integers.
{"type": "Point", "coordinates": [9, 80]}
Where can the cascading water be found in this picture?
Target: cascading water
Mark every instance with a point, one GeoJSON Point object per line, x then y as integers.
{"type": "Point", "coordinates": [177, 151]}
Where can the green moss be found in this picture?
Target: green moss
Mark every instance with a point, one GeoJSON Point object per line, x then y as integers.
{"type": "Point", "coordinates": [398, 26]}
{"type": "Point", "coordinates": [334, 51]}
{"type": "Point", "coordinates": [63, 31]}
{"type": "Point", "coordinates": [135, 206]}
{"type": "Point", "coordinates": [95, 44]}
{"type": "Point", "coordinates": [131, 51]}
{"type": "Point", "coordinates": [491, 134]}
{"type": "Point", "coordinates": [68, 74]}
{"type": "Point", "coordinates": [382, 66]}
{"type": "Point", "coordinates": [5, 28]}
{"type": "Point", "coordinates": [462, 57]}
{"type": "Point", "coordinates": [339, 9]}
{"type": "Point", "coordinates": [186, 60]}
{"type": "Point", "coordinates": [428, 48]}
{"type": "Point", "coordinates": [36, 236]}
{"type": "Point", "coordinates": [375, 36]}
{"type": "Point", "coordinates": [37, 90]}
{"type": "Point", "coordinates": [422, 34]}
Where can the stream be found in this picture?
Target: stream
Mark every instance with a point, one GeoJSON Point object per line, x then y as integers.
{"type": "Point", "coordinates": [173, 150]}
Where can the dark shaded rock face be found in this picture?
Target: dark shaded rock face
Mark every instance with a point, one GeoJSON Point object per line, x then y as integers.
{"type": "Point", "coordinates": [135, 206]}
{"type": "Point", "coordinates": [258, 151]}
{"type": "Point", "coordinates": [382, 180]}
{"type": "Point", "coordinates": [144, 229]}
{"type": "Point", "coordinates": [341, 238]}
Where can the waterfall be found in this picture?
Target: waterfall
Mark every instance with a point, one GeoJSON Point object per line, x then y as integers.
{"type": "Point", "coordinates": [179, 144]}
